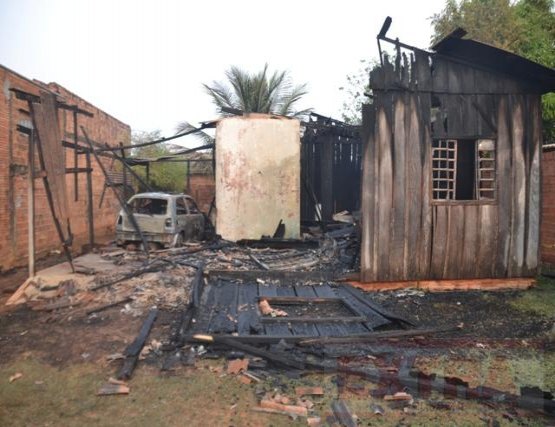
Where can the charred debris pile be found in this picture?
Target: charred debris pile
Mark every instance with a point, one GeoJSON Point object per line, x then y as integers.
{"type": "Point", "coordinates": [272, 307]}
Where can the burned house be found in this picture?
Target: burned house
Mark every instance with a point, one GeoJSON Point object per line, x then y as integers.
{"type": "Point", "coordinates": [451, 171]}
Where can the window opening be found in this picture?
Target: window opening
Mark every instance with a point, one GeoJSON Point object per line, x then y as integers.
{"type": "Point", "coordinates": [463, 169]}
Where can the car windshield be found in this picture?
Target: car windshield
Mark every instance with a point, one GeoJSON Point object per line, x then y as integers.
{"type": "Point", "coordinates": [148, 206]}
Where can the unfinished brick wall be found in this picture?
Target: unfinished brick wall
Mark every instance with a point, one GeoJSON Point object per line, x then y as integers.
{"type": "Point", "coordinates": [13, 174]}
{"type": "Point", "coordinates": [202, 188]}
{"type": "Point", "coordinates": [547, 238]}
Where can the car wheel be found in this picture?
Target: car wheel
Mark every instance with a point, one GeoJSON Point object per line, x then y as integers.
{"type": "Point", "coordinates": [178, 240]}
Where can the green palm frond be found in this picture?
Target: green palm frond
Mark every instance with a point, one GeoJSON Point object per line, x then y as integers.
{"type": "Point", "coordinates": [256, 93]}
{"type": "Point", "coordinates": [185, 126]}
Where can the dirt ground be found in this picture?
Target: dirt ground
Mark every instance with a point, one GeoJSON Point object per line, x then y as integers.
{"type": "Point", "coordinates": [507, 341]}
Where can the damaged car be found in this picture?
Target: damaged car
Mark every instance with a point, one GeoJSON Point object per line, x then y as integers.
{"type": "Point", "coordinates": [164, 219]}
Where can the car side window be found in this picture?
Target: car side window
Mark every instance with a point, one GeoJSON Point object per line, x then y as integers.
{"type": "Point", "coordinates": [192, 206]}
{"type": "Point", "coordinates": [180, 207]}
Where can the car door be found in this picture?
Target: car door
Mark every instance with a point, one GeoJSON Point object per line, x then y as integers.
{"type": "Point", "coordinates": [195, 220]}
{"type": "Point", "coordinates": [181, 217]}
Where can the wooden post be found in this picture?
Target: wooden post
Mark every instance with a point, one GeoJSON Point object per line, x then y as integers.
{"type": "Point", "coordinates": [188, 164]}
{"type": "Point", "coordinates": [90, 216]}
{"type": "Point", "coordinates": [31, 204]}
{"type": "Point", "coordinates": [121, 201]}
{"type": "Point", "coordinates": [48, 191]}
{"type": "Point", "coordinates": [124, 192]}
{"type": "Point", "coordinates": [75, 157]}
{"type": "Point", "coordinates": [326, 178]}
{"type": "Point", "coordinates": [148, 173]}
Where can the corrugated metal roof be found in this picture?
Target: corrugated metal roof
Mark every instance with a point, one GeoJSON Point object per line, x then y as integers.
{"type": "Point", "coordinates": [496, 59]}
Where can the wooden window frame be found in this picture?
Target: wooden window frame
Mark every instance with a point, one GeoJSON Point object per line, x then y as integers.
{"type": "Point", "coordinates": [478, 180]}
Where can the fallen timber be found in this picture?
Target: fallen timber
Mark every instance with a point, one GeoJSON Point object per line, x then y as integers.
{"type": "Point", "coordinates": [133, 351]}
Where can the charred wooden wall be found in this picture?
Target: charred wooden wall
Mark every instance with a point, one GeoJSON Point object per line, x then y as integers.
{"type": "Point", "coordinates": [331, 169]}
{"type": "Point", "coordinates": [408, 236]}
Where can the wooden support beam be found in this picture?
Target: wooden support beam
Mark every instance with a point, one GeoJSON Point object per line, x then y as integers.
{"type": "Point", "coordinates": [78, 170]}
{"type": "Point", "coordinates": [19, 94]}
{"type": "Point", "coordinates": [75, 159]}
{"type": "Point", "coordinates": [306, 319]}
{"type": "Point", "coordinates": [31, 206]}
{"type": "Point", "coordinates": [90, 207]}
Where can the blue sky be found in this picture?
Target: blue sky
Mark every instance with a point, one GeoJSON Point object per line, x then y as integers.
{"type": "Point", "coordinates": [144, 61]}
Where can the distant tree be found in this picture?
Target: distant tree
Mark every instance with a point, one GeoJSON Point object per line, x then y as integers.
{"type": "Point", "coordinates": [356, 90]}
{"type": "Point", "coordinates": [164, 176]}
{"type": "Point", "coordinates": [525, 27]}
{"type": "Point", "coordinates": [490, 21]}
{"type": "Point", "coordinates": [256, 93]}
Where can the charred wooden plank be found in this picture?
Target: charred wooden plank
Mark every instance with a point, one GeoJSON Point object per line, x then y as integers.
{"type": "Point", "coordinates": [137, 345]}
{"type": "Point", "coordinates": [109, 305]}
{"type": "Point", "coordinates": [247, 309]}
{"type": "Point", "coordinates": [414, 190]}
{"type": "Point", "coordinates": [373, 319]}
{"type": "Point", "coordinates": [398, 233]}
{"type": "Point", "coordinates": [148, 269]}
{"type": "Point", "coordinates": [279, 243]}
{"type": "Point", "coordinates": [368, 194]}
{"type": "Point", "coordinates": [455, 230]}
{"type": "Point", "coordinates": [274, 357]}
{"type": "Point", "coordinates": [308, 319]}
{"type": "Point", "coordinates": [534, 182]}
{"type": "Point", "coordinates": [375, 336]}
{"type": "Point", "coordinates": [376, 307]}
{"type": "Point", "coordinates": [197, 285]}
{"type": "Point", "coordinates": [225, 308]}
{"type": "Point", "coordinates": [343, 414]}
{"type": "Point", "coordinates": [385, 189]}
{"type": "Point", "coordinates": [203, 317]}
{"type": "Point", "coordinates": [134, 349]}
{"type": "Point", "coordinates": [504, 150]}
{"type": "Point", "coordinates": [299, 300]}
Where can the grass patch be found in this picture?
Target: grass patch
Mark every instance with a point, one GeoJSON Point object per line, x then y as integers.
{"type": "Point", "coordinates": [539, 300]}
{"type": "Point", "coordinates": [46, 395]}
{"type": "Point", "coordinates": [49, 396]}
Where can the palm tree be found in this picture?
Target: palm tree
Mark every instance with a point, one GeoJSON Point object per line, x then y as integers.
{"type": "Point", "coordinates": [256, 93]}
{"type": "Point", "coordinates": [185, 126]}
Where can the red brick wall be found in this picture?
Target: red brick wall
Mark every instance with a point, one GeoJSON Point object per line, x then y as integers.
{"type": "Point", "coordinates": [547, 239]}
{"type": "Point", "coordinates": [202, 188]}
{"type": "Point", "coordinates": [13, 187]}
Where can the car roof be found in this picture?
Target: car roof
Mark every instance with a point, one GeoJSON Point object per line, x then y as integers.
{"type": "Point", "coordinates": [159, 195]}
